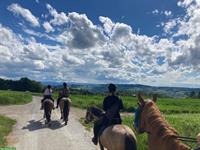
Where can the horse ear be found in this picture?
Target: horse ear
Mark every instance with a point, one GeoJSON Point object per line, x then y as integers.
{"type": "Point", "coordinates": [141, 99]}
{"type": "Point", "coordinates": [154, 98]}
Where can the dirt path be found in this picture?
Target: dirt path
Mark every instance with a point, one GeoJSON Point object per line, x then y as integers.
{"type": "Point", "coordinates": [30, 132]}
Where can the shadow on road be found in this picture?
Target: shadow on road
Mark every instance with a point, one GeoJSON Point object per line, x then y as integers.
{"type": "Point", "coordinates": [39, 124]}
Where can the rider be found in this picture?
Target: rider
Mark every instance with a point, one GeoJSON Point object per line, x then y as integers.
{"type": "Point", "coordinates": [112, 105]}
{"type": "Point", "coordinates": [47, 95]}
{"type": "Point", "coordinates": [65, 92]}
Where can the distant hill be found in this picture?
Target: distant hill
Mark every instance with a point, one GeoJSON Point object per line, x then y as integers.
{"type": "Point", "coordinates": [133, 89]}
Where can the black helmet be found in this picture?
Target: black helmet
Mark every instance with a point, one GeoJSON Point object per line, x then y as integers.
{"type": "Point", "coordinates": [112, 88]}
{"type": "Point", "coordinates": [64, 84]}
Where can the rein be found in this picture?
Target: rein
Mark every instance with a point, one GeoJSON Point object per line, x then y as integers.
{"type": "Point", "coordinates": [187, 139]}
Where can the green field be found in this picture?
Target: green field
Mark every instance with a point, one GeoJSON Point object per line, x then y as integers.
{"type": "Point", "coordinates": [166, 105]}
{"type": "Point", "coordinates": [5, 128]}
{"type": "Point", "coordinates": [13, 97]}
{"type": "Point", "coordinates": [182, 114]}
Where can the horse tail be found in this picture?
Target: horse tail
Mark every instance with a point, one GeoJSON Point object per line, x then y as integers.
{"type": "Point", "coordinates": [130, 143]}
{"type": "Point", "coordinates": [47, 110]}
{"type": "Point", "coordinates": [66, 110]}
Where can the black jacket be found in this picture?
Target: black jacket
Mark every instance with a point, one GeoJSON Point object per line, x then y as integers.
{"type": "Point", "coordinates": [109, 102]}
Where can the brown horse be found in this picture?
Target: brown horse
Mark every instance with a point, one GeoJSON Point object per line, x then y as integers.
{"type": "Point", "coordinates": [48, 106]}
{"type": "Point", "coordinates": [161, 136]}
{"type": "Point", "coordinates": [64, 105]}
{"type": "Point", "coordinates": [114, 137]}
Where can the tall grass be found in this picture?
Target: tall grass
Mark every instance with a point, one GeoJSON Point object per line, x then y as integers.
{"type": "Point", "coordinates": [13, 97]}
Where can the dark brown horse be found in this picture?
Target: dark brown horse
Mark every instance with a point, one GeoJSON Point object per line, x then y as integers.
{"type": "Point", "coordinates": [64, 105]}
{"type": "Point", "coordinates": [161, 136]}
{"type": "Point", "coordinates": [48, 106]}
{"type": "Point", "coordinates": [114, 137]}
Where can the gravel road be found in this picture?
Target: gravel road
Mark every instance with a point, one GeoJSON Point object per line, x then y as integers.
{"type": "Point", "coordinates": [30, 132]}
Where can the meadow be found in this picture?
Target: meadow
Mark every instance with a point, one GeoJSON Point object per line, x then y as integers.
{"type": "Point", "coordinates": [166, 105]}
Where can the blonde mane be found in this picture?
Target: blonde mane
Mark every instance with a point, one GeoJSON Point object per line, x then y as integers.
{"type": "Point", "coordinates": [160, 128]}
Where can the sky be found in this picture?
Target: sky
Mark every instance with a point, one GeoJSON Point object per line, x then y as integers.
{"type": "Point", "coordinates": [99, 41]}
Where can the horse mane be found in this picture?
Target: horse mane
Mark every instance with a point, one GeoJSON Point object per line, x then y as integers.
{"type": "Point", "coordinates": [96, 111]}
{"type": "Point", "coordinates": [158, 125]}
{"type": "Point", "coordinates": [156, 122]}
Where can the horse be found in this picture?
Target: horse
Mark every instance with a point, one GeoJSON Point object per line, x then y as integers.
{"type": "Point", "coordinates": [161, 136]}
{"type": "Point", "coordinates": [48, 106]}
{"type": "Point", "coordinates": [114, 137]}
{"type": "Point", "coordinates": [64, 105]}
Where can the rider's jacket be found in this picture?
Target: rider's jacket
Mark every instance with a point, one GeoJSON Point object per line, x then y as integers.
{"type": "Point", "coordinates": [65, 92]}
{"type": "Point", "coordinates": [108, 106]}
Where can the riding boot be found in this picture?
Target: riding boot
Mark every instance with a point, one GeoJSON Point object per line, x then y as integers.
{"type": "Point", "coordinates": [95, 140]}
{"type": "Point", "coordinates": [97, 127]}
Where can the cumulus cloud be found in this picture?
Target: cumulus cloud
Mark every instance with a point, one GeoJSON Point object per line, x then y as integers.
{"type": "Point", "coordinates": [58, 18]}
{"type": "Point", "coordinates": [107, 52]}
{"type": "Point", "coordinates": [25, 13]}
{"type": "Point", "coordinates": [188, 49]}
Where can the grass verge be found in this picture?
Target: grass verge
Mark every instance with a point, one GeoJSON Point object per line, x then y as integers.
{"type": "Point", "coordinates": [5, 128]}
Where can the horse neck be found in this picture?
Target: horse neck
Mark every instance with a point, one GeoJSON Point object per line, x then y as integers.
{"type": "Point", "coordinates": [96, 112]}
{"type": "Point", "coordinates": [160, 131]}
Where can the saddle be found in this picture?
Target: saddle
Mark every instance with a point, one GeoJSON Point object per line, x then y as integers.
{"type": "Point", "coordinates": [65, 99]}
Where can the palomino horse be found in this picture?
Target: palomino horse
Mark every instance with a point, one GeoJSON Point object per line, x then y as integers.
{"type": "Point", "coordinates": [161, 136]}
{"type": "Point", "coordinates": [64, 105]}
{"type": "Point", "coordinates": [114, 137]}
{"type": "Point", "coordinates": [48, 106]}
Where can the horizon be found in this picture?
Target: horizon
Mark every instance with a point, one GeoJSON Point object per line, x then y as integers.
{"type": "Point", "coordinates": [137, 42]}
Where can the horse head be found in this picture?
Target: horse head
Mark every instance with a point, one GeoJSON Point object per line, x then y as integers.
{"type": "Point", "coordinates": [92, 113]}
{"type": "Point", "coordinates": [140, 123]}
{"type": "Point", "coordinates": [89, 116]}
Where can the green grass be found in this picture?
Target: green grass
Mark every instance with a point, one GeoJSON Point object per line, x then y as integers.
{"type": "Point", "coordinates": [166, 105]}
{"type": "Point", "coordinates": [5, 128]}
{"type": "Point", "coordinates": [182, 114]}
{"type": "Point", "coordinates": [186, 125]}
{"type": "Point", "coordinates": [13, 97]}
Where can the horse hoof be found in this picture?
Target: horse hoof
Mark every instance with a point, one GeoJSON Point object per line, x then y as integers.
{"type": "Point", "coordinates": [65, 123]}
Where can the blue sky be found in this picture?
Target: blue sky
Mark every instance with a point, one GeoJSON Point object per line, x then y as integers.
{"type": "Point", "coordinates": [146, 42]}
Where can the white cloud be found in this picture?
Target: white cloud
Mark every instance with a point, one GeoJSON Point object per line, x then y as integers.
{"type": "Point", "coordinates": [167, 13]}
{"type": "Point", "coordinates": [108, 52]}
{"type": "Point", "coordinates": [156, 11]}
{"type": "Point", "coordinates": [48, 27]}
{"type": "Point", "coordinates": [58, 18]}
{"type": "Point", "coordinates": [25, 13]}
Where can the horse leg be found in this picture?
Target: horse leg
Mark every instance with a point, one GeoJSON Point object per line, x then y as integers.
{"type": "Point", "coordinates": [101, 146]}
{"type": "Point", "coordinates": [46, 111]}
{"type": "Point", "coordinates": [65, 112]}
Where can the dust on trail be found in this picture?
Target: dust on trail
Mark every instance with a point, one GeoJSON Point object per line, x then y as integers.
{"type": "Point", "coordinates": [30, 132]}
